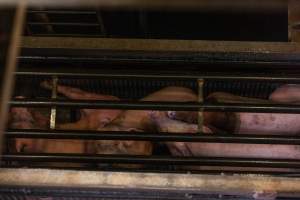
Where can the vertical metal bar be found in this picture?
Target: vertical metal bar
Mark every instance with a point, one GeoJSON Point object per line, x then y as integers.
{"type": "Point", "coordinates": [143, 23]}
{"type": "Point", "coordinates": [53, 109]}
{"type": "Point", "coordinates": [101, 23]}
{"type": "Point", "coordinates": [200, 100]}
{"type": "Point", "coordinates": [294, 20]}
{"type": "Point", "coordinates": [11, 64]}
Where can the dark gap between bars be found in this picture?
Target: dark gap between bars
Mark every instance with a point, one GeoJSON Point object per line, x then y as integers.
{"type": "Point", "coordinates": [157, 105]}
{"type": "Point", "coordinates": [152, 160]}
{"type": "Point", "coordinates": [146, 136]}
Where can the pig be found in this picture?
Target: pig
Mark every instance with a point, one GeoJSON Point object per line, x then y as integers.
{"type": "Point", "coordinates": [97, 119]}
{"type": "Point", "coordinates": [139, 120]}
{"type": "Point", "coordinates": [243, 122]}
{"type": "Point", "coordinates": [226, 150]}
{"type": "Point", "coordinates": [24, 118]}
{"type": "Point", "coordinates": [90, 119]}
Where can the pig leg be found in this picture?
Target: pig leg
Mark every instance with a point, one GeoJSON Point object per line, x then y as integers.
{"type": "Point", "coordinates": [164, 124]}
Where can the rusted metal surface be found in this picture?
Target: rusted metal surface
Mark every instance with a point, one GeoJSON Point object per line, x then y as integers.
{"type": "Point", "coordinates": [10, 67]}
{"type": "Point", "coordinates": [160, 45]}
{"type": "Point", "coordinates": [294, 20]}
{"type": "Point", "coordinates": [252, 185]}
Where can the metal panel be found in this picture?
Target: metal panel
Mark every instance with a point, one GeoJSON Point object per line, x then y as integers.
{"type": "Point", "coordinates": [249, 185]}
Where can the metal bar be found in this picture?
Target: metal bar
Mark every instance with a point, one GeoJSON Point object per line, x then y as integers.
{"type": "Point", "coordinates": [148, 169]}
{"type": "Point", "coordinates": [61, 24]}
{"type": "Point", "coordinates": [143, 24]}
{"type": "Point", "coordinates": [101, 23]}
{"type": "Point", "coordinates": [182, 137]}
{"type": "Point", "coordinates": [65, 35]}
{"type": "Point", "coordinates": [11, 64]}
{"type": "Point", "coordinates": [53, 109]}
{"type": "Point", "coordinates": [200, 100]}
{"type": "Point", "coordinates": [182, 183]}
{"type": "Point", "coordinates": [163, 45]}
{"type": "Point", "coordinates": [154, 160]}
{"type": "Point", "coordinates": [207, 5]}
{"type": "Point", "coordinates": [62, 12]}
{"type": "Point", "coordinates": [122, 74]}
{"type": "Point", "coordinates": [293, 20]}
{"type": "Point", "coordinates": [147, 105]}
{"type": "Point", "coordinates": [271, 54]}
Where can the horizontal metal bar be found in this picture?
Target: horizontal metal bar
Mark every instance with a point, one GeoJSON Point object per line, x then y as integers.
{"type": "Point", "coordinates": [143, 75]}
{"type": "Point", "coordinates": [62, 12]}
{"type": "Point", "coordinates": [67, 35]}
{"type": "Point", "coordinates": [250, 54]}
{"type": "Point", "coordinates": [61, 24]}
{"type": "Point", "coordinates": [148, 169]}
{"type": "Point", "coordinates": [164, 45]}
{"type": "Point", "coordinates": [182, 137]}
{"type": "Point", "coordinates": [205, 5]}
{"type": "Point", "coordinates": [154, 160]}
{"type": "Point", "coordinates": [169, 106]}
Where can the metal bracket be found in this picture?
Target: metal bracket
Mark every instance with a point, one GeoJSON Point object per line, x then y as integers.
{"type": "Point", "coordinates": [53, 109]}
{"type": "Point", "coordinates": [200, 100]}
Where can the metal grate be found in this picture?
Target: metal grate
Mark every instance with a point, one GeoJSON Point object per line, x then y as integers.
{"type": "Point", "coordinates": [141, 23]}
{"type": "Point", "coordinates": [134, 88]}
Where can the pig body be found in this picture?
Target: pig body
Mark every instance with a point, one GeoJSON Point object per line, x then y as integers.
{"type": "Point", "coordinates": [22, 118]}
{"type": "Point", "coordinates": [229, 150]}
{"type": "Point", "coordinates": [243, 122]}
{"type": "Point", "coordinates": [254, 123]}
{"type": "Point", "coordinates": [138, 121]}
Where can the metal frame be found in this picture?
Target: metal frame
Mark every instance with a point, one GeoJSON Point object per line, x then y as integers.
{"type": "Point", "coordinates": [246, 5]}
{"type": "Point", "coordinates": [249, 185]}
{"type": "Point", "coordinates": [10, 66]}
{"type": "Point", "coordinates": [178, 51]}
